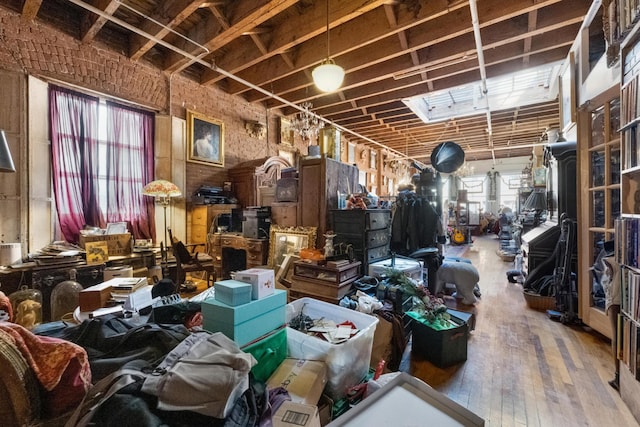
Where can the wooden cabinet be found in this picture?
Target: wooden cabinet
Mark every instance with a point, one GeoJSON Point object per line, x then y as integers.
{"type": "Point", "coordinates": [233, 252]}
{"type": "Point", "coordinates": [202, 216]}
{"type": "Point", "coordinates": [321, 180]}
{"type": "Point", "coordinates": [254, 181]}
{"type": "Point", "coordinates": [367, 231]}
{"type": "Point", "coordinates": [284, 214]}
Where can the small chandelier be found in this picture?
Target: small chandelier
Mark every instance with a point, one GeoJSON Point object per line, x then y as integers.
{"type": "Point", "coordinates": [464, 170]}
{"type": "Point", "coordinates": [306, 124]}
{"type": "Point", "coordinates": [328, 76]}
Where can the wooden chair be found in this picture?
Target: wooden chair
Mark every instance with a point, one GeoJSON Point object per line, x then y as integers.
{"type": "Point", "coordinates": [190, 261]}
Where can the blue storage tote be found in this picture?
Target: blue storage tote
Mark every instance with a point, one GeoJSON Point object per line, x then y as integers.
{"type": "Point", "coordinates": [270, 351]}
{"type": "Point", "coordinates": [232, 292]}
{"type": "Point", "coordinates": [247, 322]}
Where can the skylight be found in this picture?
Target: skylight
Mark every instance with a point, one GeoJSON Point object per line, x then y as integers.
{"type": "Point", "coordinates": [531, 86]}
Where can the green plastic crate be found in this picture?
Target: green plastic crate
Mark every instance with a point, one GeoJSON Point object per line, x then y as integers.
{"type": "Point", "coordinates": [270, 352]}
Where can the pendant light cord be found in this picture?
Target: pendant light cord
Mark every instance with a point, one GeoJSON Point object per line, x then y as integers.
{"type": "Point", "coordinates": [328, 51]}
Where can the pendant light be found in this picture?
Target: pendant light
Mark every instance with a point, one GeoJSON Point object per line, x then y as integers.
{"type": "Point", "coordinates": [328, 76]}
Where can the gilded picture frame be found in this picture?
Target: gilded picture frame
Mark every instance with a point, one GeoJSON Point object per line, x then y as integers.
{"type": "Point", "coordinates": [289, 241]}
{"type": "Point", "coordinates": [205, 137]}
{"type": "Point", "coordinates": [286, 131]}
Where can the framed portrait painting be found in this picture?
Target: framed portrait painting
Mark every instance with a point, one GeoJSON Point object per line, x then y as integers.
{"type": "Point", "coordinates": [205, 138]}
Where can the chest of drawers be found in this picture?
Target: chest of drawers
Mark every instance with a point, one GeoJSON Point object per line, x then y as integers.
{"type": "Point", "coordinates": [368, 232]}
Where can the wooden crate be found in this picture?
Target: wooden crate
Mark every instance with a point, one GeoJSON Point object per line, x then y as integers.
{"type": "Point", "coordinates": [324, 275]}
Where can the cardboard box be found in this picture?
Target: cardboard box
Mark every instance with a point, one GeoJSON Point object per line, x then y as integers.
{"type": "Point", "coordinates": [262, 281]}
{"type": "Point", "coordinates": [303, 379]}
{"type": "Point", "coordinates": [117, 244]}
{"type": "Point", "coordinates": [247, 322]}
{"type": "Point", "coordinates": [232, 292]}
{"type": "Point", "coordinates": [443, 348]}
{"type": "Point", "coordinates": [292, 414]}
{"type": "Point", "coordinates": [94, 297]}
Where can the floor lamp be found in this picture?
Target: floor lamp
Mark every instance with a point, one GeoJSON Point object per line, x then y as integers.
{"type": "Point", "coordinates": [162, 191]}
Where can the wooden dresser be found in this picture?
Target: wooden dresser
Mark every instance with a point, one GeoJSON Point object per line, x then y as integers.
{"type": "Point", "coordinates": [233, 252]}
{"type": "Point", "coordinates": [367, 231]}
{"type": "Point", "coordinates": [202, 216]}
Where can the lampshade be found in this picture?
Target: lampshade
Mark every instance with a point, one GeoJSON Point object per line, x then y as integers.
{"type": "Point", "coordinates": [537, 200]}
{"type": "Point", "coordinates": [6, 162]}
{"type": "Point", "coordinates": [328, 76]}
{"type": "Point", "coordinates": [161, 189]}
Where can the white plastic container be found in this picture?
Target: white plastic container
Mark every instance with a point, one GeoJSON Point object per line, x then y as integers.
{"type": "Point", "coordinates": [348, 362]}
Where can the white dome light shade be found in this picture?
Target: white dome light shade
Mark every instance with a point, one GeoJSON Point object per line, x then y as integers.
{"type": "Point", "coordinates": [328, 76]}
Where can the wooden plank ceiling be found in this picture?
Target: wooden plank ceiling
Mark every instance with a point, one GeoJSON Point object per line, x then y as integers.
{"type": "Point", "coordinates": [391, 50]}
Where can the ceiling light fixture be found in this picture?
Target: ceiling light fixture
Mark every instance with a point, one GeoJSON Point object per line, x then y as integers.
{"type": "Point", "coordinates": [305, 123]}
{"type": "Point", "coordinates": [328, 76]}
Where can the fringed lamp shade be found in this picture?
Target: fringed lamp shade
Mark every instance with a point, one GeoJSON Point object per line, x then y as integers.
{"type": "Point", "coordinates": [162, 190]}
{"type": "Point", "coordinates": [537, 201]}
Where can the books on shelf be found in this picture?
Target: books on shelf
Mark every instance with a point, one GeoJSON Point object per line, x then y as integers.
{"type": "Point", "coordinates": [627, 241]}
{"type": "Point", "coordinates": [630, 355]}
{"type": "Point", "coordinates": [630, 296]}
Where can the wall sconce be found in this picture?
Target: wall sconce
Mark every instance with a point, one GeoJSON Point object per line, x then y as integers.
{"type": "Point", "coordinates": [255, 129]}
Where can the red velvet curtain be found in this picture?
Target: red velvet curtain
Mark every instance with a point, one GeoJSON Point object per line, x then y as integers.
{"type": "Point", "coordinates": [74, 135]}
{"type": "Point", "coordinates": [130, 137]}
{"type": "Point", "coordinates": [100, 181]}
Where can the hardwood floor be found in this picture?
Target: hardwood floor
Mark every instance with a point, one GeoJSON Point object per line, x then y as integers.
{"type": "Point", "coordinates": [522, 368]}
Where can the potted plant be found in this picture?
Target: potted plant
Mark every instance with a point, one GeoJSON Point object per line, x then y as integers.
{"type": "Point", "coordinates": [436, 336]}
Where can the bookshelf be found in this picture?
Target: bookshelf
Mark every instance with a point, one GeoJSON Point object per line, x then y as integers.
{"type": "Point", "coordinates": [627, 227]}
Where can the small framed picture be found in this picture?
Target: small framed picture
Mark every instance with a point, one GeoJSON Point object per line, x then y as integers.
{"type": "Point", "coordinates": [205, 139]}
{"type": "Point", "coordinates": [286, 131]}
{"type": "Point", "coordinates": [116, 228]}
{"type": "Point", "coordinates": [539, 177]}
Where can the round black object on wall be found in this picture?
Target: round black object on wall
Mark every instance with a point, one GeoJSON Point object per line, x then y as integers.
{"type": "Point", "coordinates": [447, 157]}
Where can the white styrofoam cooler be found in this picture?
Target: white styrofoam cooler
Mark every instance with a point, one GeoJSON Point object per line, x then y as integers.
{"type": "Point", "coordinates": [348, 362]}
{"type": "Point", "coordinates": [411, 267]}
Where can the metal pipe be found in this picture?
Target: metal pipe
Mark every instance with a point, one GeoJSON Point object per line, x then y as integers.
{"type": "Point", "coordinates": [475, 22]}
{"type": "Point", "coordinates": [214, 67]}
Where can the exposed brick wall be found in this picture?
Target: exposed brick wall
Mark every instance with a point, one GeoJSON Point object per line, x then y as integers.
{"type": "Point", "coordinates": [39, 50]}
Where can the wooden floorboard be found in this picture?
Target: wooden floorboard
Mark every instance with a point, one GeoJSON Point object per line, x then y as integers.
{"type": "Point", "coordinates": [522, 368]}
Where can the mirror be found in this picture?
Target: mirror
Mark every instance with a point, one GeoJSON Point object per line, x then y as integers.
{"type": "Point", "coordinates": [288, 241]}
